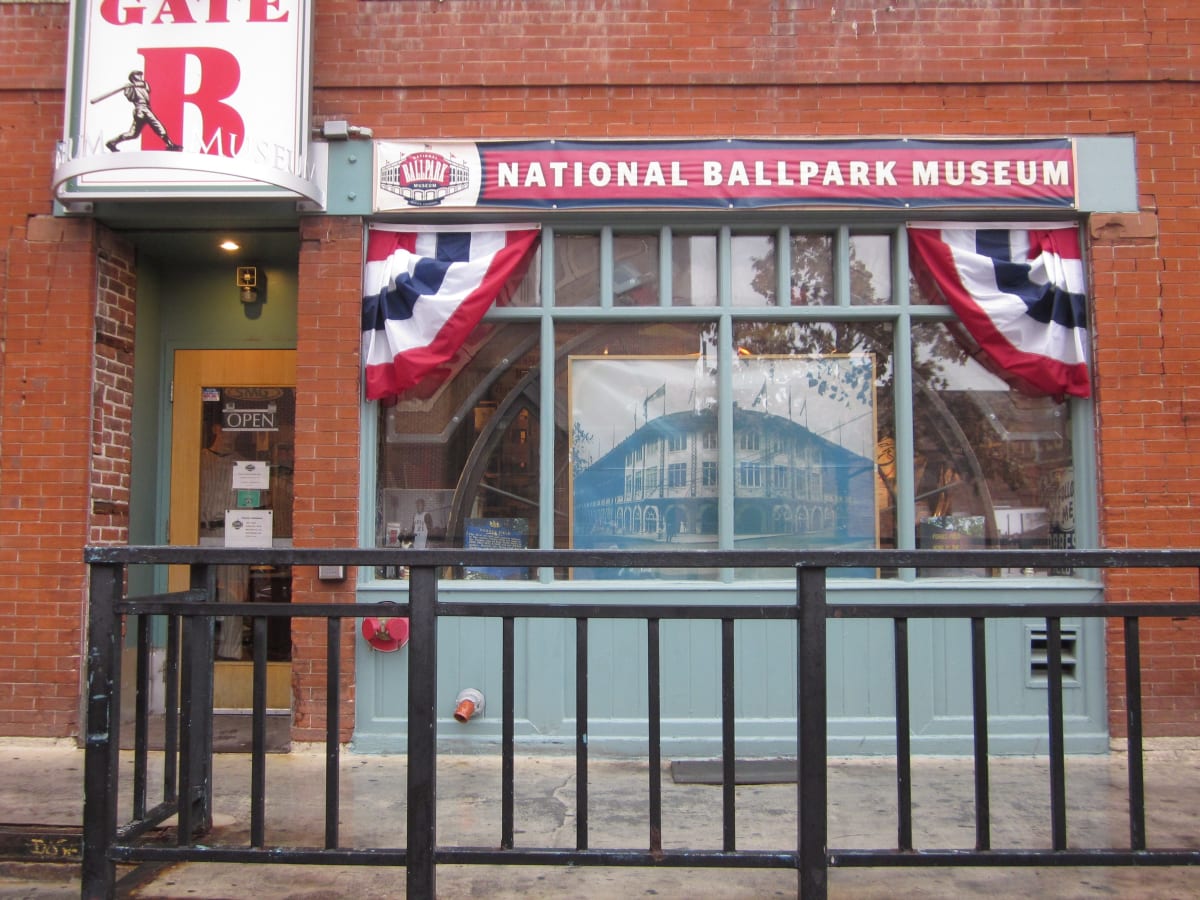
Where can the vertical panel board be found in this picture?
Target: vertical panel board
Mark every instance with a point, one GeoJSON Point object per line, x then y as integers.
{"type": "Point", "coordinates": [766, 670]}
{"type": "Point", "coordinates": [547, 657]}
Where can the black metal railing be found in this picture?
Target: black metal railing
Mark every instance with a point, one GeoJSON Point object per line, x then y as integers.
{"type": "Point", "coordinates": [186, 790]}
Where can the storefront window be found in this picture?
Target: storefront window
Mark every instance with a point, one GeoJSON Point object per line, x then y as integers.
{"type": "Point", "coordinates": [723, 428]}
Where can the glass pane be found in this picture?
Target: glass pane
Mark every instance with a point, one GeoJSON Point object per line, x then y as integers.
{"type": "Point", "coordinates": [754, 269]}
{"type": "Point", "coordinates": [527, 292]}
{"type": "Point", "coordinates": [458, 454]}
{"type": "Point", "coordinates": [812, 270]}
{"type": "Point", "coordinates": [576, 270]}
{"type": "Point", "coordinates": [635, 270]}
{"type": "Point", "coordinates": [870, 269]}
{"type": "Point", "coordinates": [694, 270]}
{"type": "Point", "coordinates": [814, 412]}
{"type": "Point", "coordinates": [246, 489]}
{"type": "Point", "coordinates": [918, 296]}
{"type": "Point", "coordinates": [993, 467]}
{"type": "Point", "coordinates": [639, 466]}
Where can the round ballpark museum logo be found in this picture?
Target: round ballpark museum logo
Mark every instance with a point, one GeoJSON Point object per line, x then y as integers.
{"type": "Point", "coordinates": [425, 178]}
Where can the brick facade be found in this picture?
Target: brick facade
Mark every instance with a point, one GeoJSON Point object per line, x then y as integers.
{"type": "Point", "coordinates": [634, 69]}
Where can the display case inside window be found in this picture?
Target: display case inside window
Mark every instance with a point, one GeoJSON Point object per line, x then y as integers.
{"type": "Point", "coordinates": [992, 466]}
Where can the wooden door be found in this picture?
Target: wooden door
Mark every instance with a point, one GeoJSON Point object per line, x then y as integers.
{"type": "Point", "coordinates": [232, 442]}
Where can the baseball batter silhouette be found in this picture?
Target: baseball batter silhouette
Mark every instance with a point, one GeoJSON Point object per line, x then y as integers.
{"type": "Point", "coordinates": [137, 92]}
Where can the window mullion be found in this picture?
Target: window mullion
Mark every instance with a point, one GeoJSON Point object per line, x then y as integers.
{"type": "Point", "coordinates": [902, 391]}
{"type": "Point", "coordinates": [841, 265]}
{"type": "Point", "coordinates": [666, 288]}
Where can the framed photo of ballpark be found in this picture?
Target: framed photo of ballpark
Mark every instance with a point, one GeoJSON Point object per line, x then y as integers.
{"type": "Point", "coordinates": [646, 462]}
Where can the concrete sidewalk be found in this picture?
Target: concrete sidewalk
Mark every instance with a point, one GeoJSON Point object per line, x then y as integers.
{"type": "Point", "coordinates": [42, 782]}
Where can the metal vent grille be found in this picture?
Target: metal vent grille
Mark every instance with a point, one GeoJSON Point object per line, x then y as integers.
{"type": "Point", "coordinates": [1039, 657]}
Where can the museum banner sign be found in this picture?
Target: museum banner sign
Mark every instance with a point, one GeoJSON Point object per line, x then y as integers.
{"type": "Point", "coordinates": [896, 173]}
{"type": "Point", "coordinates": [189, 97]}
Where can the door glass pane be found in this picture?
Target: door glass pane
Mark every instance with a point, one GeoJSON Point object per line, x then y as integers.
{"type": "Point", "coordinates": [245, 484]}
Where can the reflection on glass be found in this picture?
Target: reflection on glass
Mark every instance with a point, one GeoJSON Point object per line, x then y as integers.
{"type": "Point", "coordinates": [917, 295]}
{"type": "Point", "coordinates": [835, 382]}
{"type": "Point", "coordinates": [812, 269]}
{"type": "Point", "coordinates": [461, 448]}
{"type": "Point", "coordinates": [694, 270]}
{"type": "Point", "coordinates": [870, 269]}
{"type": "Point", "coordinates": [993, 467]}
{"type": "Point", "coordinates": [635, 270]}
{"type": "Point", "coordinates": [755, 270]}
{"type": "Point", "coordinates": [576, 269]}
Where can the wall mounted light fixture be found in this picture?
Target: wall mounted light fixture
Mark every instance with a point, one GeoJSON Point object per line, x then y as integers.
{"type": "Point", "coordinates": [247, 279]}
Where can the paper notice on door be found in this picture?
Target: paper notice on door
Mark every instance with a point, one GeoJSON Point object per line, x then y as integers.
{"type": "Point", "coordinates": [251, 475]}
{"type": "Point", "coordinates": [248, 527]}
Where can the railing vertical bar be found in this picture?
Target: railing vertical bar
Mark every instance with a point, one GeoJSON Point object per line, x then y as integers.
{"type": "Point", "coordinates": [979, 712]}
{"type": "Point", "coordinates": [258, 741]}
{"type": "Point", "coordinates": [171, 713]}
{"type": "Point", "coordinates": [654, 716]}
{"type": "Point", "coordinates": [1058, 779]}
{"type": "Point", "coordinates": [101, 748]}
{"type": "Point", "coordinates": [141, 717]}
{"type": "Point", "coordinates": [422, 733]}
{"type": "Point", "coordinates": [728, 741]}
{"type": "Point", "coordinates": [903, 737]}
{"type": "Point", "coordinates": [1133, 728]}
{"type": "Point", "coordinates": [333, 696]}
{"type": "Point", "coordinates": [194, 804]}
{"type": "Point", "coordinates": [507, 736]}
{"type": "Point", "coordinates": [812, 786]}
{"type": "Point", "coordinates": [581, 734]}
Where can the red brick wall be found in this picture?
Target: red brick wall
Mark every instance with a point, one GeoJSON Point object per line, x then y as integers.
{"type": "Point", "coordinates": [112, 391]}
{"type": "Point", "coordinates": [45, 465]}
{"type": "Point", "coordinates": [325, 513]}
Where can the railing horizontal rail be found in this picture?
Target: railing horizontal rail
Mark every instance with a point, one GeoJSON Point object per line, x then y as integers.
{"type": "Point", "coordinates": [845, 610]}
{"type": "Point", "coordinates": [188, 753]}
{"type": "Point", "coordinates": [1035, 858]}
{"type": "Point", "coordinates": [667, 559]}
